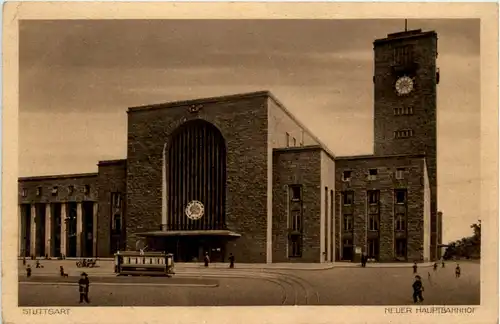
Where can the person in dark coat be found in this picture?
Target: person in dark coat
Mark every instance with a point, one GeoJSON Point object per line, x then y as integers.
{"type": "Point", "coordinates": [28, 271]}
{"type": "Point", "coordinates": [435, 266]}
{"type": "Point", "coordinates": [442, 264]}
{"type": "Point", "coordinates": [415, 267]}
{"type": "Point", "coordinates": [207, 259]}
{"type": "Point", "coordinates": [83, 286]}
{"type": "Point", "coordinates": [418, 288]}
{"type": "Point", "coordinates": [231, 260]}
{"type": "Point", "coordinates": [457, 271]}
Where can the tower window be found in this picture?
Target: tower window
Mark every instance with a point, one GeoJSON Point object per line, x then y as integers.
{"type": "Point", "coordinates": [400, 196]}
{"type": "Point", "coordinates": [24, 192]}
{"type": "Point", "coordinates": [400, 173]}
{"type": "Point", "coordinates": [287, 140]}
{"type": "Point", "coordinates": [373, 197]}
{"type": "Point", "coordinates": [401, 248]}
{"type": "Point", "coordinates": [39, 191]}
{"type": "Point", "coordinates": [54, 191]}
{"type": "Point", "coordinates": [372, 174]}
{"type": "Point", "coordinates": [348, 222]}
{"type": "Point", "coordinates": [296, 192]}
{"type": "Point", "coordinates": [403, 111]}
{"type": "Point", "coordinates": [346, 175]}
{"type": "Point", "coordinates": [400, 222]}
{"type": "Point", "coordinates": [348, 198]}
{"type": "Point", "coordinates": [86, 189]}
{"type": "Point", "coordinates": [404, 133]}
{"type": "Point", "coordinates": [373, 222]}
{"type": "Point", "coordinates": [71, 189]}
{"type": "Point", "coordinates": [294, 142]}
{"type": "Point", "coordinates": [403, 55]}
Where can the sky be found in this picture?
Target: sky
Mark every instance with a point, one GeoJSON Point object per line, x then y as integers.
{"type": "Point", "coordinates": [78, 78]}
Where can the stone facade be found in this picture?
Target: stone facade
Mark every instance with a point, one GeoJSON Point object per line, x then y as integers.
{"type": "Point", "coordinates": [416, 111]}
{"type": "Point", "coordinates": [112, 177]}
{"type": "Point", "coordinates": [264, 151]}
{"type": "Point", "coordinates": [385, 181]}
{"type": "Point", "coordinates": [297, 166]}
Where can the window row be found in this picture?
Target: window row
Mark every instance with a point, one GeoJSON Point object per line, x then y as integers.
{"type": "Point", "coordinates": [403, 111]}
{"type": "Point", "coordinates": [374, 222]}
{"type": "Point", "coordinates": [55, 190]}
{"type": "Point", "coordinates": [373, 197]}
{"type": "Point", "coordinates": [372, 174]}
{"type": "Point", "coordinates": [373, 247]}
{"type": "Point", "coordinates": [403, 133]}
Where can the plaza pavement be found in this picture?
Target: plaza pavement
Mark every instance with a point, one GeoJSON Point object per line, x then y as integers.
{"type": "Point", "coordinates": [106, 266]}
{"type": "Point", "coordinates": [258, 286]}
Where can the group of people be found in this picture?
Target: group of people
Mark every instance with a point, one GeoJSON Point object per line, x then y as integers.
{"type": "Point", "coordinates": [206, 260]}
{"type": "Point", "coordinates": [418, 286]}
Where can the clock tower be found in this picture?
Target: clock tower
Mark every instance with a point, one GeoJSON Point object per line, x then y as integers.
{"type": "Point", "coordinates": [405, 117]}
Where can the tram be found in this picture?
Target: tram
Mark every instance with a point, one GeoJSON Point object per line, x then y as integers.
{"type": "Point", "coordinates": [137, 263]}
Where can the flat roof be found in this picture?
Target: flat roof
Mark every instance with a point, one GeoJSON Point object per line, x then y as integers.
{"type": "Point", "coordinates": [302, 149]}
{"type": "Point", "coordinates": [372, 156]}
{"type": "Point", "coordinates": [234, 97]}
{"type": "Point", "coordinates": [59, 176]}
{"type": "Point", "coordinates": [188, 102]}
{"type": "Point", "coordinates": [108, 162]}
{"type": "Point", "coordinates": [415, 33]}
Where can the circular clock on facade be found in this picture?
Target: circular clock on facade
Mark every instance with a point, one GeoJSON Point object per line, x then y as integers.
{"type": "Point", "coordinates": [195, 210]}
{"type": "Point", "coordinates": [404, 85]}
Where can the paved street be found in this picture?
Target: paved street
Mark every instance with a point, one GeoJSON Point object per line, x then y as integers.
{"type": "Point", "coordinates": [238, 287]}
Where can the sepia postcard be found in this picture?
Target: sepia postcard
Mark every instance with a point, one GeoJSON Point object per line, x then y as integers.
{"type": "Point", "coordinates": [250, 162]}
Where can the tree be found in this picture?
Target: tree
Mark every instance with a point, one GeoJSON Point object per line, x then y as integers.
{"type": "Point", "coordinates": [467, 247]}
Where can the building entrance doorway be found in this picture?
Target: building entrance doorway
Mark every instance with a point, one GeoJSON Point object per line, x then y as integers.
{"type": "Point", "coordinates": [190, 248]}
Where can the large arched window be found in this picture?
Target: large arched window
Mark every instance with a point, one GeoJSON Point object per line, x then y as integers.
{"type": "Point", "coordinates": [196, 171]}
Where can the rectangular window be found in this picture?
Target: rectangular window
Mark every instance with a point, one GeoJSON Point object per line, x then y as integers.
{"type": "Point", "coordinates": [296, 220]}
{"type": "Point", "coordinates": [71, 189]}
{"type": "Point", "coordinates": [373, 222]}
{"type": "Point", "coordinates": [54, 191]}
{"type": "Point", "coordinates": [348, 198]}
{"type": "Point", "coordinates": [400, 196]}
{"type": "Point", "coordinates": [295, 249]}
{"type": "Point", "coordinates": [296, 192]}
{"type": "Point", "coordinates": [403, 55]}
{"type": "Point", "coordinates": [372, 174]}
{"type": "Point", "coordinates": [24, 192]}
{"type": "Point", "coordinates": [346, 175]}
{"type": "Point", "coordinates": [403, 111]}
{"type": "Point", "coordinates": [373, 197]}
{"type": "Point", "coordinates": [400, 173]}
{"type": "Point", "coordinates": [86, 189]}
{"type": "Point", "coordinates": [373, 249]}
{"type": "Point", "coordinates": [348, 222]}
{"type": "Point", "coordinates": [400, 222]}
{"type": "Point", "coordinates": [39, 191]}
{"type": "Point", "coordinates": [116, 211]}
{"type": "Point", "coordinates": [401, 248]}
{"type": "Point", "coordinates": [403, 133]}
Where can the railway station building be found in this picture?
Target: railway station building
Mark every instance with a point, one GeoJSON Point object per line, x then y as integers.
{"type": "Point", "coordinates": [240, 174]}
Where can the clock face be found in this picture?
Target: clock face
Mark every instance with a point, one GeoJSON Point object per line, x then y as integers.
{"type": "Point", "coordinates": [404, 85]}
{"type": "Point", "coordinates": [195, 210]}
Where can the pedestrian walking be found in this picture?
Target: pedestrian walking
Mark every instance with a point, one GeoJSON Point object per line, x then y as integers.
{"type": "Point", "coordinates": [457, 271]}
{"type": "Point", "coordinates": [207, 259]}
{"type": "Point", "coordinates": [418, 288]}
{"type": "Point", "coordinates": [231, 260]}
{"type": "Point", "coordinates": [442, 264]}
{"type": "Point", "coordinates": [28, 271]}
{"type": "Point", "coordinates": [435, 266]}
{"type": "Point", "coordinates": [24, 261]}
{"type": "Point", "coordinates": [61, 271]}
{"type": "Point", "coordinates": [415, 267]}
{"type": "Point", "coordinates": [83, 286]}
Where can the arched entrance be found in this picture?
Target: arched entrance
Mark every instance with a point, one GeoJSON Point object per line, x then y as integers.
{"type": "Point", "coordinates": [196, 172]}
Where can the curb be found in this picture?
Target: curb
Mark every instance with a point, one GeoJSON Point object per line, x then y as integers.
{"type": "Point", "coordinates": [119, 284]}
